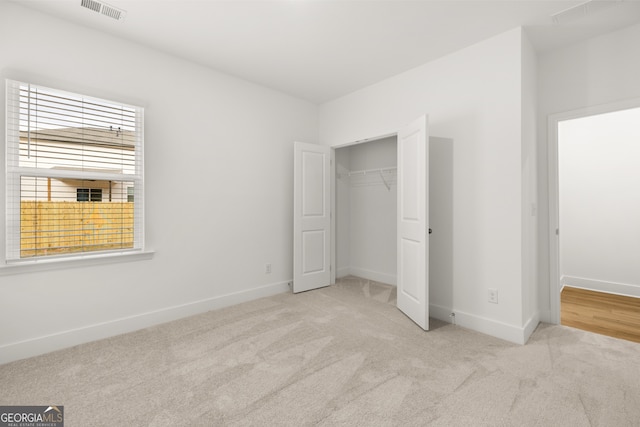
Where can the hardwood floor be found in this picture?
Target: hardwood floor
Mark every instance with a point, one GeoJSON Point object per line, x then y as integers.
{"type": "Point", "coordinates": [607, 314]}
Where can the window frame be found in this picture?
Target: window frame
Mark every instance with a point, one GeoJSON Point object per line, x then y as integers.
{"type": "Point", "coordinates": [14, 171]}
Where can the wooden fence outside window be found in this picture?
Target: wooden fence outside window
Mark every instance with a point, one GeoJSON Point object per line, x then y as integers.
{"type": "Point", "coordinates": [53, 228]}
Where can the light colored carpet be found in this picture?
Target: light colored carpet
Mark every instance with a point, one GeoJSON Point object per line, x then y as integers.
{"type": "Point", "coordinates": [343, 355]}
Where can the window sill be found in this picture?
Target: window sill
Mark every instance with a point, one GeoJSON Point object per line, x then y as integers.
{"type": "Point", "coordinates": [43, 264]}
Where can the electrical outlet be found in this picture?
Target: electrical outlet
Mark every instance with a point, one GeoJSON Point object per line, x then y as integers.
{"type": "Point", "coordinates": [493, 295]}
{"type": "Point", "coordinates": [267, 268]}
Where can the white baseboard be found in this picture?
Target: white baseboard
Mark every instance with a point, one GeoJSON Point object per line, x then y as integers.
{"type": "Point", "coordinates": [601, 286]}
{"type": "Point", "coordinates": [389, 279]}
{"type": "Point", "coordinates": [48, 343]}
{"type": "Point", "coordinates": [530, 326]}
{"type": "Point", "coordinates": [514, 334]}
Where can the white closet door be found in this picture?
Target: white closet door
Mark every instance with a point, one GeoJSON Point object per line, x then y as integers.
{"type": "Point", "coordinates": [413, 222]}
{"type": "Point", "coordinates": [311, 217]}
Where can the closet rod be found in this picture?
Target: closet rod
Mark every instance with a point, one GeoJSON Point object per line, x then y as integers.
{"type": "Point", "coordinates": [370, 171]}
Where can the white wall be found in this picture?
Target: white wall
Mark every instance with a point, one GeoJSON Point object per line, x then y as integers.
{"type": "Point", "coordinates": [218, 155]}
{"type": "Point", "coordinates": [530, 303]}
{"type": "Point", "coordinates": [441, 222]}
{"type": "Point", "coordinates": [372, 212]}
{"type": "Point", "coordinates": [473, 97]}
{"type": "Point", "coordinates": [599, 195]}
{"type": "Point", "coordinates": [597, 71]}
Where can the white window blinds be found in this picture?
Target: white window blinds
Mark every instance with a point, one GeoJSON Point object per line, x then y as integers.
{"type": "Point", "coordinates": [74, 174]}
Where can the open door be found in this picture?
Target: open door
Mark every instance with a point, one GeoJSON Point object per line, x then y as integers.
{"type": "Point", "coordinates": [311, 217]}
{"type": "Point", "coordinates": [413, 222]}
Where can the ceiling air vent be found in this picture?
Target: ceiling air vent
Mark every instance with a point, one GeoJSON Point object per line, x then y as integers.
{"type": "Point", "coordinates": [91, 4]}
{"type": "Point", "coordinates": [104, 9]}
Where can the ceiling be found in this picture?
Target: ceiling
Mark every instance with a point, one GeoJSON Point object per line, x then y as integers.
{"type": "Point", "coordinates": [320, 50]}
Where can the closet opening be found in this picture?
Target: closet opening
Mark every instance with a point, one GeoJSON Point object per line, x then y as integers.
{"type": "Point", "coordinates": [365, 201]}
{"type": "Point", "coordinates": [366, 210]}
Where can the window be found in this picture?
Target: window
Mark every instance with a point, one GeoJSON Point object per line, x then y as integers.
{"type": "Point", "coordinates": [74, 165]}
{"type": "Point", "coordinates": [89, 194]}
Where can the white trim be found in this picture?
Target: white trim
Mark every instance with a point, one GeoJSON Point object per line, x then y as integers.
{"type": "Point", "coordinates": [365, 140]}
{"type": "Point", "coordinates": [389, 279]}
{"type": "Point", "coordinates": [554, 218]}
{"type": "Point", "coordinates": [491, 327]}
{"type": "Point", "coordinates": [45, 344]}
{"type": "Point", "coordinates": [74, 174]}
{"type": "Point", "coordinates": [530, 326]}
{"type": "Point", "coordinates": [66, 262]}
{"type": "Point", "coordinates": [486, 326]}
{"type": "Point", "coordinates": [332, 227]}
{"type": "Point", "coordinates": [601, 286]}
{"type": "Point", "coordinates": [511, 333]}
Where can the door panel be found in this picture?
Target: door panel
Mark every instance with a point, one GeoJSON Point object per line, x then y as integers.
{"type": "Point", "coordinates": [313, 251]}
{"type": "Point", "coordinates": [410, 252]}
{"type": "Point", "coordinates": [312, 217]}
{"type": "Point", "coordinates": [413, 222]}
{"type": "Point", "coordinates": [409, 176]}
{"type": "Point", "coordinates": [312, 184]}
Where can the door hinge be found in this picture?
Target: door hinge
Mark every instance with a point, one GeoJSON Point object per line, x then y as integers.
{"type": "Point", "coordinates": [557, 232]}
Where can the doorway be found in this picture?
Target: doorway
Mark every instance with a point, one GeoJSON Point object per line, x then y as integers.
{"type": "Point", "coordinates": [594, 210]}
{"type": "Point", "coordinates": [366, 210]}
